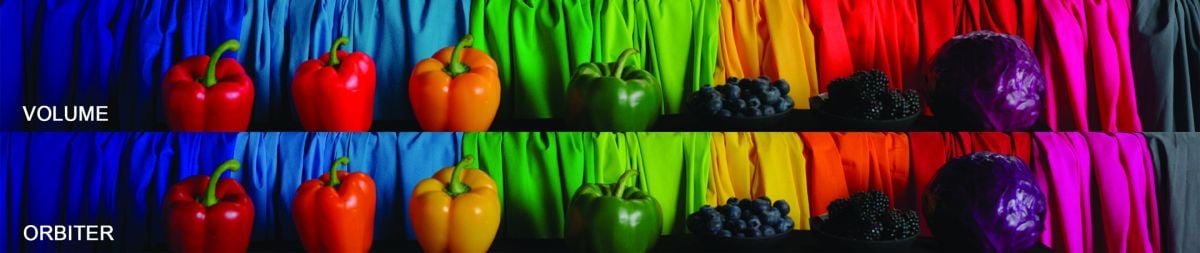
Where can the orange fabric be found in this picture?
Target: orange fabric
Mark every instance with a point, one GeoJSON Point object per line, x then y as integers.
{"type": "Point", "coordinates": [771, 38]}
{"type": "Point", "coordinates": [843, 163]}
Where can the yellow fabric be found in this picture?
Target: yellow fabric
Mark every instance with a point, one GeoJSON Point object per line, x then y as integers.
{"type": "Point", "coordinates": [750, 165]}
{"type": "Point", "coordinates": [772, 38]}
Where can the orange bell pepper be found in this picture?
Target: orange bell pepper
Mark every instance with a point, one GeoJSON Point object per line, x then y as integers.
{"type": "Point", "coordinates": [458, 89]}
{"type": "Point", "coordinates": [458, 210]}
{"type": "Point", "coordinates": [336, 213]}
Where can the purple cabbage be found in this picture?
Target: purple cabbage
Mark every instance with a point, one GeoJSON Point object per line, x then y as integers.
{"type": "Point", "coordinates": [987, 81]}
{"type": "Point", "coordinates": [985, 202]}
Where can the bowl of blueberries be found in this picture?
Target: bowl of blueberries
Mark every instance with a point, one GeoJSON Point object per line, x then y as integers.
{"type": "Point", "coordinates": [743, 224]}
{"type": "Point", "coordinates": [743, 104]}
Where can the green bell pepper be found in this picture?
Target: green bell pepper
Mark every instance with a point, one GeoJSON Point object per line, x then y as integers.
{"type": "Point", "coordinates": [613, 218]}
{"type": "Point", "coordinates": [613, 96]}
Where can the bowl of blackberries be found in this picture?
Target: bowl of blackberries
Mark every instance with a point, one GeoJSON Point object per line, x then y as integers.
{"type": "Point", "coordinates": [864, 101]}
{"type": "Point", "coordinates": [743, 224]}
{"type": "Point", "coordinates": [743, 104]}
{"type": "Point", "coordinates": [865, 222]}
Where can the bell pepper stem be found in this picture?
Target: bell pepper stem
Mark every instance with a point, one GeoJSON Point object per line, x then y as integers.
{"type": "Point", "coordinates": [210, 75]}
{"type": "Point", "coordinates": [456, 186]}
{"type": "Point", "coordinates": [456, 67]}
{"type": "Point", "coordinates": [210, 194]}
{"type": "Point", "coordinates": [621, 182]}
{"type": "Point", "coordinates": [333, 51]}
{"type": "Point", "coordinates": [621, 61]}
{"type": "Point", "coordinates": [333, 176]}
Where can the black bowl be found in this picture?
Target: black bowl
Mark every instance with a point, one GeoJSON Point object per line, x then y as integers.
{"type": "Point", "coordinates": [840, 122]}
{"type": "Point", "coordinates": [760, 123]}
{"type": "Point", "coordinates": [847, 244]}
{"type": "Point", "coordinates": [765, 243]}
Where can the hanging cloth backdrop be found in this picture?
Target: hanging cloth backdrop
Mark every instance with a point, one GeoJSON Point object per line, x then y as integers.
{"type": "Point", "coordinates": [860, 35]}
{"type": "Point", "coordinates": [1119, 215]}
{"type": "Point", "coordinates": [771, 38]}
{"type": "Point", "coordinates": [843, 163]}
{"type": "Point", "coordinates": [752, 165]}
{"type": "Point", "coordinates": [935, 149]}
{"type": "Point", "coordinates": [1166, 63]}
{"type": "Point", "coordinates": [119, 178]}
{"type": "Point", "coordinates": [537, 173]}
{"type": "Point", "coordinates": [538, 43]}
{"type": "Point", "coordinates": [1176, 163]}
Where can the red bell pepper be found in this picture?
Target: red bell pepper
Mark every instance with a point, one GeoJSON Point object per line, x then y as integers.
{"type": "Point", "coordinates": [202, 94]}
{"type": "Point", "coordinates": [336, 213]}
{"type": "Point", "coordinates": [337, 91]}
{"type": "Point", "coordinates": [204, 215]}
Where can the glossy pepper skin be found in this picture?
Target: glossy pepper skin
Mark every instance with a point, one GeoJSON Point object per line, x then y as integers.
{"type": "Point", "coordinates": [613, 218]}
{"type": "Point", "coordinates": [207, 93]}
{"type": "Point", "coordinates": [204, 215]}
{"type": "Point", "coordinates": [336, 213]}
{"type": "Point", "coordinates": [336, 92]}
{"type": "Point", "coordinates": [613, 97]}
{"type": "Point", "coordinates": [456, 90]}
{"type": "Point", "coordinates": [458, 210]}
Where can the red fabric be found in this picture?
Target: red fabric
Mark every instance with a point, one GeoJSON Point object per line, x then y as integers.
{"type": "Point", "coordinates": [844, 163]}
{"type": "Point", "coordinates": [935, 149]}
{"type": "Point", "coordinates": [859, 35]}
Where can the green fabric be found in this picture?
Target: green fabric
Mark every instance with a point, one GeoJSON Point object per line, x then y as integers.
{"type": "Point", "coordinates": [678, 39]}
{"type": "Point", "coordinates": [538, 173]}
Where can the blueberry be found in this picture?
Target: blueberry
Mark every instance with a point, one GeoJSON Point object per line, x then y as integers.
{"type": "Point", "coordinates": [768, 232]}
{"type": "Point", "coordinates": [762, 204]}
{"type": "Point", "coordinates": [735, 212]}
{"type": "Point", "coordinates": [734, 91]}
{"type": "Point", "coordinates": [745, 83]}
{"type": "Point", "coordinates": [772, 96]}
{"type": "Point", "coordinates": [754, 102]}
{"type": "Point", "coordinates": [784, 87]}
{"type": "Point", "coordinates": [706, 209]}
{"type": "Point", "coordinates": [741, 225]}
{"type": "Point", "coordinates": [724, 113]}
{"type": "Point", "coordinates": [772, 218]}
{"type": "Point", "coordinates": [731, 80]}
{"type": "Point", "coordinates": [745, 213]}
{"type": "Point", "coordinates": [738, 104]}
{"type": "Point", "coordinates": [740, 235]}
{"type": "Point", "coordinates": [732, 201]}
{"type": "Point", "coordinates": [754, 223]}
{"type": "Point", "coordinates": [768, 111]}
{"type": "Point", "coordinates": [753, 233]}
{"type": "Point", "coordinates": [754, 112]}
{"type": "Point", "coordinates": [783, 207]}
{"type": "Point", "coordinates": [765, 198]}
{"type": "Point", "coordinates": [726, 233]}
{"type": "Point", "coordinates": [782, 107]}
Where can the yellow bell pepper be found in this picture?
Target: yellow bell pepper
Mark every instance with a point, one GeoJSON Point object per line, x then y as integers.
{"type": "Point", "coordinates": [458, 210]}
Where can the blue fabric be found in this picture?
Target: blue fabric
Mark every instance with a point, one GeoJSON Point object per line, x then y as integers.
{"type": "Point", "coordinates": [120, 178]}
{"type": "Point", "coordinates": [279, 35]}
{"type": "Point", "coordinates": [10, 68]}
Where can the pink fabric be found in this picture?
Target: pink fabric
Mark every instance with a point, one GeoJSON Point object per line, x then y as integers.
{"type": "Point", "coordinates": [1063, 174]}
{"type": "Point", "coordinates": [1084, 47]}
{"type": "Point", "coordinates": [1126, 210]}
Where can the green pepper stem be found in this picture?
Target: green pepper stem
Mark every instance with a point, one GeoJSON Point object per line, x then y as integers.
{"type": "Point", "coordinates": [456, 67]}
{"type": "Point", "coordinates": [210, 76]}
{"type": "Point", "coordinates": [210, 194]}
{"type": "Point", "coordinates": [621, 61]}
{"type": "Point", "coordinates": [456, 186]}
{"type": "Point", "coordinates": [333, 177]}
{"type": "Point", "coordinates": [621, 182]}
{"type": "Point", "coordinates": [333, 50]}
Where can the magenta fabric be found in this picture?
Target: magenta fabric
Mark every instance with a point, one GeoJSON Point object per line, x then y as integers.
{"type": "Point", "coordinates": [1084, 47]}
{"type": "Point", "coordinates": [1123, 206]}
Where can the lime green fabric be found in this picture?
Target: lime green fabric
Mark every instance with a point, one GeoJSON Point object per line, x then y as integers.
{"type": "Point", "coordinates": [537, 173]}
{"type": "Point", "coordinates": [537, 43]}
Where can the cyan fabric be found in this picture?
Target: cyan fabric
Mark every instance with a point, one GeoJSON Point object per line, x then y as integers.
{"type": "Point", "coordinates": [1166, 63]}
{"type": "Point", "coordinates": [1178, 181]}
{"type": "Point", "coordinates": [279, 35]}
{"type": "Point", "coordinates": [119, 178]}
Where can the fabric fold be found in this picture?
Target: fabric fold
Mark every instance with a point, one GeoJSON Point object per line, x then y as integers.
{"type": "Point", "coordinates": [752, 165]}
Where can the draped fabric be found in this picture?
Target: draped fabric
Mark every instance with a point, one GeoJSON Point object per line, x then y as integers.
{"type": "Point", "coordinates": [1177, 176]}
{"type": "Point", "coordinates": [538, 43]}
{"type": "Point", "coordinates": [840, 164]}
{"type": "Point", "coordinates": [537, 173]}
{"type": "Point", "coordinates": [1165, 58]}
{"type": "Point", "coordinates": [11, 68]}
{"type": "Point", "coordinates": [1084, 48]}
{"type": "Point", "coordinates": [934, 149]}
{"type": "Point", "coordinates": [279, 35]}
{"type": "Point", "coordinates": [119, 178]}
{"type": "Point", "coordinates": [771, 38]}
{"type": "Point", "coordinates": [752, 165]}
{"type": "Point", "coordinates": [855, 35]}
{"type": "Point", "coordinates": [1100, 192]}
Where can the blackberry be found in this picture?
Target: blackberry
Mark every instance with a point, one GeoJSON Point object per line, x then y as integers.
{"type": "Point", "coordinates": [873, 110]}
{"type": "Point", "coordinates": [873, 232]}
{"type": "Point", "coordinates": [873, 203]}
{"type": "Point", "coordinates": [912, 102]}
{"type": "Point", "coordinates": [894, 105]}
{"type": "Point", "coordinates": [873, 83]}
